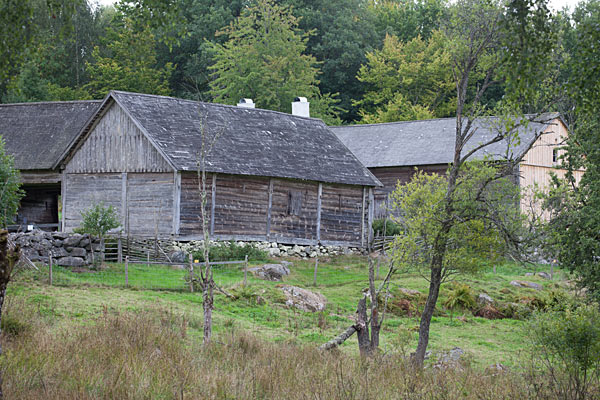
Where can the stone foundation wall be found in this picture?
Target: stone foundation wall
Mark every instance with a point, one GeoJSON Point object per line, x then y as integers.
{"type": "Point", "coordinates": [69, 250]}
{"type": "Point", "coordinates": [279, 250]}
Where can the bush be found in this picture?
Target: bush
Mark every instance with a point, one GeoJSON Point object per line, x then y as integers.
{"type": "Point", "coordinates": [391, 228]}
{"type": "Point", "coordinates": [460, 295]}
{"type": "Point", "coordinates": [231, 251]}
{"type": "Point", "coordinates": [566, 349]}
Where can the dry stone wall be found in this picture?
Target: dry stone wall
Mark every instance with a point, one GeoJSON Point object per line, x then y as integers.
{"type": "Point", "coordinates": [66, 249]}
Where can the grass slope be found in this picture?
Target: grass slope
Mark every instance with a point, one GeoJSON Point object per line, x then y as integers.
{"type": "Point", "coordinates": [78, 298]}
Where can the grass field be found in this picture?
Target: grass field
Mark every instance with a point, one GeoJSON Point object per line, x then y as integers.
{"type": "Point", "coordinates": [78, 298]}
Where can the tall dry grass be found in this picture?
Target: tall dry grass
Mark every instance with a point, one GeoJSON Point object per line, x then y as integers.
{"type": "Point", "coordinates": [151, 355]}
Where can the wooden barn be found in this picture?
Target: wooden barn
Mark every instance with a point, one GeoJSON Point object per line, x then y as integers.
{"type": "Point", "coordinates": [392, 151]}
{"type": "Point", "coordinates": [36, 135]}
{"type": "Point", "coordinates": [271, 176]}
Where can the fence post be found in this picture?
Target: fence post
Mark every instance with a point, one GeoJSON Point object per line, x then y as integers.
{"type": "Point", "coordinates": [191, 274]}
{"type": "Point", "coordinates": [316, 267]}
{"type": "Point", "coordinates": [245, 269]}
{"type": "Point", "coordinates": [552, 269]}
{"type": "Point", "coordinates": [127, 271]}
{"type": "Point", "coordinates": [50, 270]}
{"type": "Point", "coordinates": [148, 265]}
{"type": "Point", "coordinates": [119, 250]}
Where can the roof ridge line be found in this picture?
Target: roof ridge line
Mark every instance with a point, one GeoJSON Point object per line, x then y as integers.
{"type": "Point", "coordinates": [215, 104]}
{"type": "Point", "coordinates": [33, 103]}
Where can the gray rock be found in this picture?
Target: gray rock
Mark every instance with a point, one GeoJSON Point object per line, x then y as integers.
{"type": "Point", "coordinates": [78, 252]}
{"type": "Point", "coordinates": [58, 252]}
{"type": "Point", "coordinates": [84, 242]}
{"type": "Point", "coordinates": [274, 252]}
{"type": "Point", "coordinates": [450, 358]}
{"type": "Point", "coordinates": [72, 241]}
{"type": "Point", "coordinates": [178, 256]}
{"type": "Point", "coordinates": [544, 275]}
{"type": "Point", "coordinates": [286, 264]}
{"type": "Point", "coordinates": [70, 262]}
{"type": "Point", "coordinates": [271, 272]}
{"type": "Point", "coordinates": [60, 235]}
{"type": "Point", "coordinates": [304, 299]}
{"type": "Point", "coordinates": [529, 274]}
{"type": "Point", "coordinates": [483, 298]}
{"type": "Point", "coordinates": [57, 243]}
{"type": "Point", "coordinates": [525, 284]}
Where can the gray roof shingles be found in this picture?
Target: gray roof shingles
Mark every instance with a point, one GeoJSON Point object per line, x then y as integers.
{"type": "Point", "coordinates": [37, 134]}
{"type": "Point", "coordinates": [430, 142]}
{"type": "Point", "coordinates": [250, 141]}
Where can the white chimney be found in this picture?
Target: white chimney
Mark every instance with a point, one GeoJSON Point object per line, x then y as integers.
{"type": "Point", "coordinates": [301, 107]}
{"type": "Point", "coordinates": [246, 103]}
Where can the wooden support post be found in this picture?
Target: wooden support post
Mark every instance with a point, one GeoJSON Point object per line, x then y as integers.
{"type": "Point", "coordinates": [319, 195]}
{"type": "Point", "coordinates": [119, 250]}
{"type": "Point", "coordinates": [176, 202]}
{"type": "Point", "coordinates": [494, 269]}
{"type": "Point", "coordinates": [316, 268]}
{"type": "Point", "coordinates": [126, 271]}
{"type": "Point", "coordinates": [191, 274]}
{"type": "Point", "coordinates": [269, 208]}
{"type": "Point", "coordinates": [370, 218]}
{"type": "Point", "coordinates": [63, 198]}
{"type": "Point", "coordinates": [148, 265]}
{"type": "Point", "coordinates": [124, 201]}
{"type": "Point", "coordinates": [246, 270]}
{"type": "Point", "coordinates": [213, 200]}
{"type": "Point", "coordinates": [50, 271]}
{"type": "Point", "coordinates": [362, 217]}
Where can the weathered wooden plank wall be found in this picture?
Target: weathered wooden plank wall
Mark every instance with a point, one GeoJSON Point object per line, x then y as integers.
{"type": "Point", "coordinates": [241, 205]}
{"type": "Point", "coordinates": [190, 222]}
{"type": "Point", "coordinates": [150, 203]}
{"type": "Point", "coordinates": [84, 190]}
{"type": "Point", "coordinates": [294, 209]}
{"type": "Point", "coordinates": [341, 213]}
{"type": "Point", "coordinates": [116, 145]}
{"type": "Point", "coordinates": [36, 177]}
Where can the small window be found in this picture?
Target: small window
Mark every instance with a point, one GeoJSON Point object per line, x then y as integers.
{"type": "Point", "coordinates": [294, 202]}
{"type": "Point", "coordinates": [554, 155]}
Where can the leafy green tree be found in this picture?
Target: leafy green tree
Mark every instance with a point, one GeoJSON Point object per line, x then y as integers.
{"type": "Point", "coordinates": [469, 207]}
{"type": "Point", "coordinates": [264, 59]}
{"type": "Point", "coordinates": [97, 221]}
{"type": "Point", "coordinates": [127, 62]}
{"type": "Point", "coordinates": [408, 81]}
{"type": "Point", "coordinates": [575, 206]}
{"type": "Point", "coordinates": [10, 188]}
{"type": "Point", "coordinates": [343, 32]}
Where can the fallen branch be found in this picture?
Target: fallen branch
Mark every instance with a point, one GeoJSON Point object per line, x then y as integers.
{"type": "Point", "coordinates": [338, 340]}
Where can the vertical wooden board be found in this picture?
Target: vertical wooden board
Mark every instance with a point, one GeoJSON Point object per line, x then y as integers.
{"type": "Point", "coordinates": [284, 223]}
{"type": "Point", "coordinates": [63, 195]}
{"type": "Point", "coordinates": [269, 207]}
{"type": "Point", "coordinates": [213, 199]}
{"type": "Point", "coordinates": [341, 218]}
{"type": "Point", "coordinates": [85, 190]}
{"type": "Point", "coordinates": [124, 200]}
{"type": "Point", "coordinates": [190, 211]}
{"type": "Point", "coordinates": [241, 205]}
{"type": "Point", "coordinates": [176, 201]}
{"type": "Point", "coordinates": [319, 199]}
{"type": "Point", "coordinates": [150, 203]}
{"type": "Point", "coordinates": [116, 144]}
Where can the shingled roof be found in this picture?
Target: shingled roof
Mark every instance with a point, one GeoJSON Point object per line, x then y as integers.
{"type": "Point", "coordinates": [37, 134]}
{"type": "Point", "coordinates": [250, 141]}
{"type": "Point", "coordinates": [430, 142]}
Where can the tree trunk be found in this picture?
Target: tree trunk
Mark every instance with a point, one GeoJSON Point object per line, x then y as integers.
{"type": "Point", "coordinates": [8, 259]}
{"type": "Point", "coordinates": [375, 323]}
{"type": "Point", "coordinates": [362, 329]}
{"type": "Point", "coordinates": [207, 302]}
{"type": "Point", "coordinates": [434, 291]}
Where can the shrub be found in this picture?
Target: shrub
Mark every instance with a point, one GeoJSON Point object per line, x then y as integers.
{"type": "Point", "coordinates": [391, 228]}
{"type": "Point", "coordinates": [231, 251]}
{"type": "Point", "coordinates": [460, 296]}
{"type": "Point", "coordinates": [566, 349]}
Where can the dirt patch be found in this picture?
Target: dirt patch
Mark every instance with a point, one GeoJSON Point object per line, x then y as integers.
{"type": "Point", "coordinates": [489, 312]}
